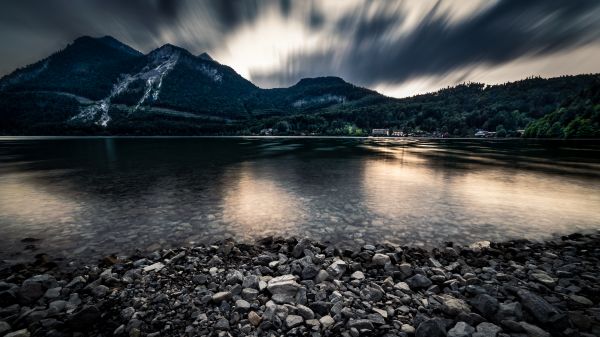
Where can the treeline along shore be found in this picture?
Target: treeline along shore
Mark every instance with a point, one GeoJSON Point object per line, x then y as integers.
{"type": "Point", "coordinates": [290, 287]}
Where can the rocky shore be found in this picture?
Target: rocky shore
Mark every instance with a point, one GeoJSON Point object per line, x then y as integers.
{"type": "Point", "coordinates": [291, 287]}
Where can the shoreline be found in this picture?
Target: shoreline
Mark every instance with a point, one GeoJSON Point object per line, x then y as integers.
{"type": "Point", "coordinates": [302, 287]}
{"type": "Point", "coordinates": [50, 137]}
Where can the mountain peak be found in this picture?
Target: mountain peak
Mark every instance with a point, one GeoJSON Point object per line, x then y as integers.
{"type": "Point", "coordinates": [168, 49]}
{"type": "Point", "coordinates": [205, 56]}
{"type": "Point", "coordinates": [325, 80]}
{"type": "Point", "coordinates": [107, 40]}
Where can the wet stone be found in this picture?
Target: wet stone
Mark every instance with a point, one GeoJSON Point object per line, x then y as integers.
{"type": "Point", "coordinates": [538, 307]}
{"type": "Point", "coordinates": [292, 321]}
{"type": "Point", "coordinates": [486, 329]}
{"type": "Point", "coordinates": [18, 333]}
{"type": "Point", "coordinates": [461, 329]}
{"type": "Point", "coordinates": [221, 296]}
{"type": "Point", "coordinates": [452, 306]}
{"type": "Point", "coordinates": [431, 328]}
{"type": "Point", "coordinates": [360, 324]}
{"type": "Point", "coordinates": [380, 259]}
{"type": "Point", "coordinates": [418, 281]}
{"type": "Point", "coordinates": [326, 321]}
{"type": "Point", "coordinates": [254, 318]}
{"type": "Point", "coordinates": [534, 330]}
{"type": "Point", "coordinates": [485, 304]}
{"type": "Point", "coordinates": [222, 324]}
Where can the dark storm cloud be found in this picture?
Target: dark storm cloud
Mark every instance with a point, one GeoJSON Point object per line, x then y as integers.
{"type": "Point", "coordinates": [508, 30]}
{"type": "Point", "coordinates": [362, 45]}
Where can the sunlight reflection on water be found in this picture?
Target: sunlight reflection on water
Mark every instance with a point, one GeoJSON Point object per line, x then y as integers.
{"type": "Point", "coordinates": [114, 195]}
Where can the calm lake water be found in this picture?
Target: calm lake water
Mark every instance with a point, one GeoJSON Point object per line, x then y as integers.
{"type": "Point", "coordinates": [88, 197]}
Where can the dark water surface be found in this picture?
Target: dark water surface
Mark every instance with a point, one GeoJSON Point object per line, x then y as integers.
{"type": "Point", "coordinates": [88, 197]}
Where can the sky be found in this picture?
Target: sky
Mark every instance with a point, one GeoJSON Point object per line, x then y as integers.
{"type": "Point", "coordinates": [399, 48]}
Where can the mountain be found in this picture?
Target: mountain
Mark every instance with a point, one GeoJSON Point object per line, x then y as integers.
{"type": "Point", "coordinates": [102, 86]}
{"type": "Point", "coordinates": [88, 67]}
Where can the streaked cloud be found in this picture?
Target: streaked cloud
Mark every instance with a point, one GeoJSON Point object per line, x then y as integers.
{"type": "Point", "coordinates": [398, 47]}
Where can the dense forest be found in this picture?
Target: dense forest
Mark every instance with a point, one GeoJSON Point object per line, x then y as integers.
{"type": "Point", "coordinates": [577, 117]}
{"type": "Point", "coordinates": [99, 86]}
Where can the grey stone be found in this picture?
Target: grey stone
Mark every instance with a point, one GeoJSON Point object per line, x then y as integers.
{"type": "Point", "coordinates": [4, 327]}
{"type": "Point", "coordinates": [310, 271]}
{"type": "Point", "coordinates": [298, 250]}
{"type": "Point", "coordinates": [461, 329]}
{"type": "Point", "coordinates": [127, 313]}
{"type": "Point", "coordinates": [53, 293]}
{"type": "Point", "coordinates": [403, 286]}
{"type": "Point", "coordinates": [321, 307]}
{"type": "Point", "coordinates": [580, 301]}
{"type": "Point", "coordinates": [18, 333]}
{"type": "Point", "coordinates": [326, 321]}
{"type": "Point", "coordinates": [360, 324]}
{"type": "Point", "coordinates": [373, 293]}
{"type": "Point", "coordinates": [221, 296]}
{"type": "Point", "coordinates": [251, 281]}
{"type": "Point", "coordinates": [337, 268]}
{"type": "Point", "coordinates": [30, 291]}
{"type": "Point", "coordinates": [431, 328]}
{"type": "Point", "coordinates": [222, 324]}
{"type": "Point", "coordinates": [509, 311]}
{"type": "Point", "coordinates": [544, 279]}
{"type": "Point", "coordinates": [539, 308]}
{"type": "Point", "coordinates": [283, 288]}
{"type": "Point", "coordinates": [358, 275]}
{"type": "Point", "coordinates": [376, 319]}
{"type": "Point", "coordinates": [100, 291]}
{"type": "Point", "coordinates": [56, 307]}
{"type": "Point", "coordinates": [234, 276]}
{"type": "Point", "coordinates": [407, 329]}
{"type": "Point", "coordinates": [380, 259]}
{"type": "Point", "coordinates": [533, 330]}
{"type": "Point", "coordinates": [452, 306]}
{"type": "Point", "coordinates": [292, 321]}
{"type": "Point", "coordinates": [418, 281]}
{"type": "Point", "coordinates": [155, 267]}
{"type": "Point", "coordinates": [119, 330]}
{"type": "Point", "coordinates": [381, 312]}
{"type": "Point", "coordinates": [322, 275]}
{"type": "Point", "coordinates": [249, 294]}
{"type": "Point", "coordinates": [406, 270]}
{"type": "Point", "coordinates": [254, 318]}
{"type": "Point", "coordinates": [485, 304]}
{"type": "Point", "coordinates": [487, 329]}
{"type": "Point", "coordinates": [242, 305]}
{"type": "Point", "coordinates": [305, 312]}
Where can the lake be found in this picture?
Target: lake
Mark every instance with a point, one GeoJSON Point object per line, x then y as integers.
{"type": "Point", "coordinates": [89, 197]}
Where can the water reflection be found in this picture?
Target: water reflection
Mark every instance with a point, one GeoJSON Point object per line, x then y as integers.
{"type": "Point", "coordinates": [91, 197]}
{"type": "Point", "coordinates": [257, 201]}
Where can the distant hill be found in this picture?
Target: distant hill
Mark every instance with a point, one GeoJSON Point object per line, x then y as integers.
{"type": "Point", "coordinates": [102, 86]}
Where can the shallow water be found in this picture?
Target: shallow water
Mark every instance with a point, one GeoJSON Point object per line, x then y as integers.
{"type": "Point", "coordinates": [88, 197]}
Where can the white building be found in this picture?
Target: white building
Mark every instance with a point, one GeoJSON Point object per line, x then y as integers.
{"type": "Point", "coordinates": [380, 132]}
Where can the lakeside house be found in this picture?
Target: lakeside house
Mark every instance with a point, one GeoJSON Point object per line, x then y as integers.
{"type": "Point", "coordinates": [484, 134]}
{"type": "Point", "coordinates": [380, 132]}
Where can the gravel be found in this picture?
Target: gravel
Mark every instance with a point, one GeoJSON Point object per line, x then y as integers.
{"type": "Point", "coordinates": [305, 288]}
